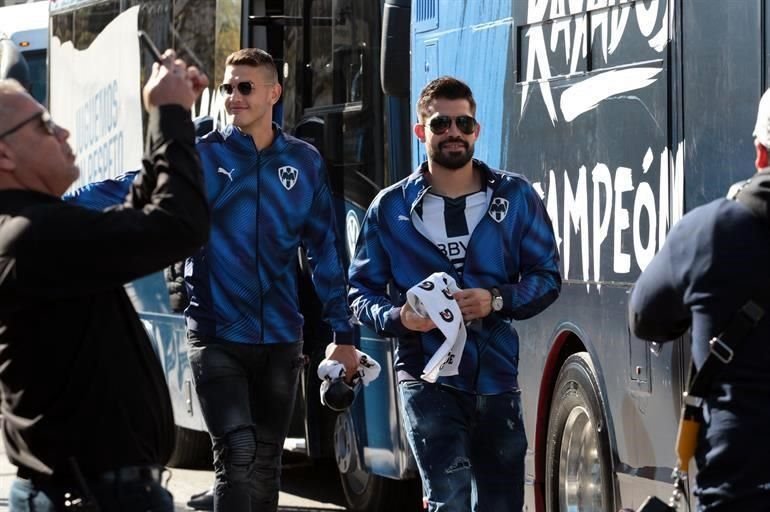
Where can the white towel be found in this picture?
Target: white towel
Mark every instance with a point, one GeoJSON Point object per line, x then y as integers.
{"type": "Point", "coordinates": [330, 369]}
{"type": "Point", "coordinates": [433, 299]}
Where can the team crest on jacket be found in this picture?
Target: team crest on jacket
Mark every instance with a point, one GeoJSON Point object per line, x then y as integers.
{"type": "Point", "coordinates": [498, 209]}
{"type": "Point", "coordinates": [288, 176]}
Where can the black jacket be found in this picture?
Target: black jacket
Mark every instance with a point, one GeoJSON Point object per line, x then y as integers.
{"type": "Point", "coordinates": [79, 375]}
{"type": "Point", "coordinates": [715, 259]}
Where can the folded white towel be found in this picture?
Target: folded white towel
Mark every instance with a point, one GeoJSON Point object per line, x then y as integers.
{"type": "Point", "coordinates": [329, 369]}
{"type": "Point", "coordinates": [433, 299]}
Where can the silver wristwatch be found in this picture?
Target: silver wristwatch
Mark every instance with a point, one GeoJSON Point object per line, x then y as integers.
{"type": "Point", "coordinates": [497, 299]}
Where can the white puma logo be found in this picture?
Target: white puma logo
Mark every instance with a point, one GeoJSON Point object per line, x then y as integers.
{"type": "Point", "coordinates": [403, 217]}
{"type": "Point", "coordinates": [227, 173]}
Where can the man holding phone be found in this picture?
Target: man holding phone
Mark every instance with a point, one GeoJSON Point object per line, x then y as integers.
{"type": "Point", "coordinates": [269, 194]}
{"type": "Point", "coordinates": [87, 416]}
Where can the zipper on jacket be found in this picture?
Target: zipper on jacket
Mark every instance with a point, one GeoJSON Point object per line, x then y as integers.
{"type": "Point", "coordinates": [259, 254]}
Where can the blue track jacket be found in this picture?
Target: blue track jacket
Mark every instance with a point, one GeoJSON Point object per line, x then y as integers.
{"type": "Point", "coordinates": [264, 204]}
{"type": "Point", "coordinates": [512, 248]}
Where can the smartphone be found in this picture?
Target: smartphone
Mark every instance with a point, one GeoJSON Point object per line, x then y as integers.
{"type": "Point", "coordinates": [150, 46]}
{"type": "Point", "coordinates": [191, 57]}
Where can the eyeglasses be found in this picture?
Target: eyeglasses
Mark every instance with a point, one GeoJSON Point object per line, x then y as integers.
{"type": "Point", "coordinates": [244, 88]}
{"type": "Point", "coordinates": [45, 121]}
{"type": "Point", "coordinates": [441, 124]}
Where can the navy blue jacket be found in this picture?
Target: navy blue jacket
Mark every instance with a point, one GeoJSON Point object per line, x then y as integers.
{"type": "Point", "coordinates": [512, 247]}
{"type": "Point", "coordinates": [715, 259]}
{"type": "Point", "coordinates": [264, 205]}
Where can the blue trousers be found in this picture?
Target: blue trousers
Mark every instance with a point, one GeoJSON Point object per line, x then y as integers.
{"type": "Point", "coordinates": [135, 496]}
{"type": "Point", "coordinates": [247, 398]}
{"type": "Point", "coordinates": [469, 448]}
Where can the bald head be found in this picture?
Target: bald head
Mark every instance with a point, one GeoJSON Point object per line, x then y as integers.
{"type": "Point", "coordinates": [762, 126]}
{"type": "Point", "coordinates": [11, 93]}
{"type": "Point", "coordinates": [34, 154]}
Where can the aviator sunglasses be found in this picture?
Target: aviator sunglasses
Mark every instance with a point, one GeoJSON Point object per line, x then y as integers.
{"type": "Point", "coordinates": [45, 121]}
{"type": "Point", "coordinates": [441, 124]}
{"type": "Point", "coordinates": [244, 88]}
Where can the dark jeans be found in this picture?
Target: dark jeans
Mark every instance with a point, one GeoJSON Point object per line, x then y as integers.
{"type": "Point", "coordinates": [247, 398]}
{"type": "Point", "coordinates": [134, 496]}
{"type": "Point", "coordinates": [469, 448]}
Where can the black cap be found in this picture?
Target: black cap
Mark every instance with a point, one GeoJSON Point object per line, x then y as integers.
{"type": "Point", "coordinates": [337, 394]}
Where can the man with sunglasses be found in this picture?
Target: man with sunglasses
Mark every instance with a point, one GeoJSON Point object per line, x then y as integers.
{"type": "Point", "coordinates": [269, 195]}
{"type": "Point", "coordinates": [87, 416]}
{"type": "Point", "coordinates": [488, 230]}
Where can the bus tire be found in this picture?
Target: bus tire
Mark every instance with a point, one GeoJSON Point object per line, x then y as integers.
{"type": "Point", "coordinates": [192, 450]}
{"type": "Point", "coordinates": [579, 472]}
{"type": "Point", "coordinates": [364, 491]}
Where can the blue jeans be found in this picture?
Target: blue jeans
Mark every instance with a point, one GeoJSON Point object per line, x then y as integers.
{"type": "Point", "coordinates": [469, 448]}
{"type": "Point", "coordinates": [247, 398]}
{"type": "Point", "coordinates": [135, 496]}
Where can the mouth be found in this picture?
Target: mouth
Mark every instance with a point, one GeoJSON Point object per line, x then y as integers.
{"type": "Point", "coordinates": [453, 146]}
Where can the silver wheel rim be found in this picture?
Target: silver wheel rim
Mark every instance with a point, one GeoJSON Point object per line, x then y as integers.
{"type": "Point", "coordinates": [355, 477]}
{"type": "Point", "coordinates": [580, 471]}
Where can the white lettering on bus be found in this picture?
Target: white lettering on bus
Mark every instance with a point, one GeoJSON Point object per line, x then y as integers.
{"type": "Point", "coordinates": [617, 203]}
{"type": "Point", "coordinates": [571, 33]}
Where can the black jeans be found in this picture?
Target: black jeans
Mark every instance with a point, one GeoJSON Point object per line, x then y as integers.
{"type": "Point", "coordinates": [247, 397]}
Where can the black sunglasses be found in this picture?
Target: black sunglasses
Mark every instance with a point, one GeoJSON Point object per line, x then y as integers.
{"type": "Point", "coordinates": [441, 124]}
{"type": "Point", "coordinates": [45, 121]}
{"type": "Point", "coordinates": [244, 88]}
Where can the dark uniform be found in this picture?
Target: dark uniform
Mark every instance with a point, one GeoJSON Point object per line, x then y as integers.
{"type": "Point", "coordinates": [81, 384]}
{"type": "Point", "coordinates": [714, 260]}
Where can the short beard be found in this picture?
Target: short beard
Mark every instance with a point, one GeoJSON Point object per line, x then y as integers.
{"type": "Point", "coordinates": [454, 160]}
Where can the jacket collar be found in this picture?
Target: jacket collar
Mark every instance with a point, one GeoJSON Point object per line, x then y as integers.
{"type": "Point", "coordinates": [755, 193]}
{"type": "Point", "coordinates": [243, 143]}
{"type": "Point", "coordinates": [417, 184]}
{"type": "Point", "coordinates": [14, 200]}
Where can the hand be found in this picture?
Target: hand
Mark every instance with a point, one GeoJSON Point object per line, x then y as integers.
{"type": "Point", "coordinates": [346, 354]}
{"type": "Point", "coordinates": [474, 303]}
{"type": "Point", "coordinates": [173, 83]}
{"type": "Point", "coordinates": [414, 322]}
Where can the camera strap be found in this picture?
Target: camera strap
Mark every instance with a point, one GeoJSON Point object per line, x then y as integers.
{"type": "Point", "coordinates": [722, 348]}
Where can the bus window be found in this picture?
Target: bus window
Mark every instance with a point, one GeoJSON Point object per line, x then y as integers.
{"type": "Point", "coordinates": [26, 25]}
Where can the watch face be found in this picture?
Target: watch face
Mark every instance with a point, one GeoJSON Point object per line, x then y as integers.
{"type": "Point", "coordinates": [497, 303]}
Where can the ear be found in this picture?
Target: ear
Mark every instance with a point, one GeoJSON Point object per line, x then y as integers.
{"type": "Point", "coordinates": [478, 129]}
{"type": "Point", "coordinates": [275, 93]}
{"type": "Point", "coordinates": [7, 158]}
{"type": "Point", "coordinates": [419, 131]}
{"type": "Point", "coordinates": [762, 156]}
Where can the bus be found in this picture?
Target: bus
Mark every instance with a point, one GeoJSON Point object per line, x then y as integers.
{"type": "Point", "coordinates": [328, 58]}
{"type": "Point", "coordinates": [26, 25]}
{"type": "Point", "coordinates": [624, 115]}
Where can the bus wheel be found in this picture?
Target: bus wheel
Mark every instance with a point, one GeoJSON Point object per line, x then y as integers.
{"type": "Point", "coordinates": [192, 450]}
{"type": "Point", "coordinates": [579, 473]}
{"type": "Point", "coordinates": [364, 491]}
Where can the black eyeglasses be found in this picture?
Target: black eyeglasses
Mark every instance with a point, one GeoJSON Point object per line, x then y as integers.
{"type": "Point", "coordinates": [244, 88]}
{"type": "Point", "coordinates": [441, 124]}
{"type": "Point", "coordinates": [45, 121]}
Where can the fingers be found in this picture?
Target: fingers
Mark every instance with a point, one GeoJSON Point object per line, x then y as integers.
{"type": "Point", "coordinates": [474, 303]}
{"type": "Point", "coordinates": [173, 82]}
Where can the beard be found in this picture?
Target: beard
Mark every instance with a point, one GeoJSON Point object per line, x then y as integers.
{"type": "Point", "coordinates": [452, 159]}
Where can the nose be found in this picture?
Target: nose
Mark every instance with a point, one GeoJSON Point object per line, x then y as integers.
{"type": "Point", "coordinates": [62, 133]}
{"type": "Point", "coordinates": [454, 130]}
